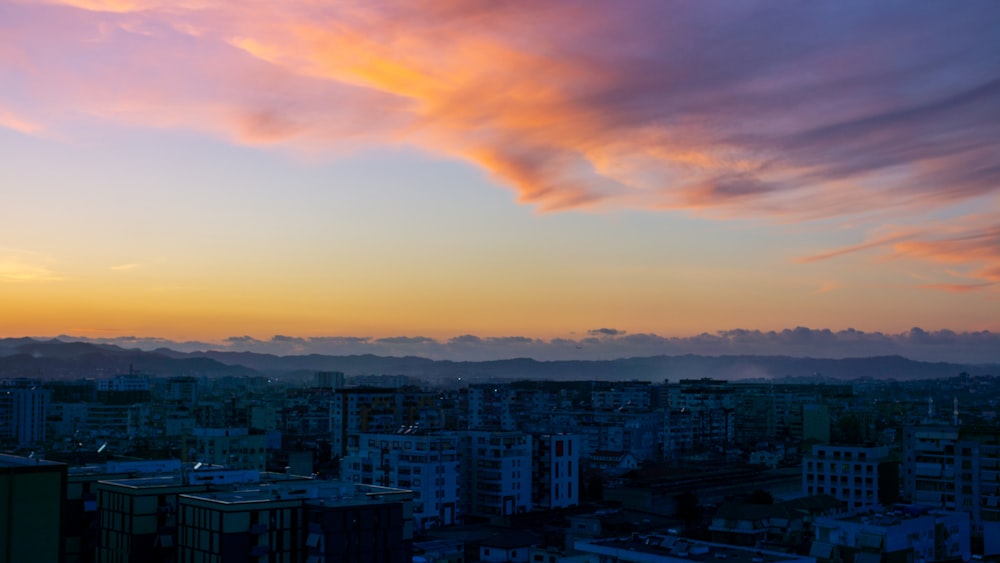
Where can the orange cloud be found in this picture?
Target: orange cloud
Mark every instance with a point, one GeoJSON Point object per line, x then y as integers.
{"type": "Point", "coordinates": [958, 287]}
{"type": "Point", "coordinates": [742, 111]}
{"type": "Point", "coordinates": [974, 248]}
{"type": "Point", "coordinates": [977, 249]}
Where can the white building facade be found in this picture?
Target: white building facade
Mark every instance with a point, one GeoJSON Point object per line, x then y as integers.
{"type": "Point", "coordinates": [427, 464]}
{"type": "Point", "coordinates": [498, 475]}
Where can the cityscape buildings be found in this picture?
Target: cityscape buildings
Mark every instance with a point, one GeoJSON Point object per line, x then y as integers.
{"type": "Point", "coordinates": [196, 469]}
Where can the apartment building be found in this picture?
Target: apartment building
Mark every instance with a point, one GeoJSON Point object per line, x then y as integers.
{"type": "Point", "coordinates": [491, 407]}
{"type": "Point", "coordinates": [497, 480]}
{"type": "Point", "coordinates": [861, 476]}
{"type": "Point", "coordinates": [354, 411]}
{"type": "Point", "coordinates": [236, 448]}
{"type": "Point", "coordinates": [138, 518]}
{"type": "Point", "coordinates": [556, 467]}
{"type": "Point", "coordinates": [24, 405]}
{"type": "Point", "coordinates": [956, 468]}
{"type": "Point", "coordinates": [310, 522]}
{"type": "Point", "coordinates": [428, 464]}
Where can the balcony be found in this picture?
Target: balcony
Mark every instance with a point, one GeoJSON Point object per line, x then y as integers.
{"type": "Point", "coordinates": [928, 470]}
{"type": "Point", "coordinates": [490, 475]}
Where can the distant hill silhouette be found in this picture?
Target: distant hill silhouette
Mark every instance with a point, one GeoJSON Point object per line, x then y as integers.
{"type": "Point", "coordinates": [23, 357]}
{"type": "Point", "coordinates": [54, 359]}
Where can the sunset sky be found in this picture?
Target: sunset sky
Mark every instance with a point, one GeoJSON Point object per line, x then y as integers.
{"type": "Point", "coordinates": [426, 171]}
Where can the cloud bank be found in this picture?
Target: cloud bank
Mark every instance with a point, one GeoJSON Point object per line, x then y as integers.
{"type": "Point", "coordinates": [609, 344]}
{"type": "Point", "coordinates": [773, 109]}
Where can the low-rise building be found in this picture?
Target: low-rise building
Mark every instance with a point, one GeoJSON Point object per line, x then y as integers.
{"type": "Point", "coordinates": [513, 546]}
{"type": "Point", "coordinates": [906, 533]}
{"type": "Point", "coordinates": [783, 526]}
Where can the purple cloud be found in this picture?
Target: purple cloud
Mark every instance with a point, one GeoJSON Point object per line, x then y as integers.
{"type": "Point", "coordinates": [916, 343]}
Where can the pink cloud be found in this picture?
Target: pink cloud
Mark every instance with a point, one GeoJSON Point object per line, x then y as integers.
{"type": "Point", "coordinates": [776, 110]}
{"type": "Point", "coordinates": [755, 110]}
{"type": "Point", "coordinates": [10, 120]}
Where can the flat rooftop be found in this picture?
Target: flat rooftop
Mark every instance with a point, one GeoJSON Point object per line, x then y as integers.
{"type": "Point", "coordinates": [8, 460]}
{"type": "Point", "coordinates": [213, 477]}
{"type": "Point", "coordinates": [675, 547]}
{"type": "Point", "coordinates": [330, 493]}
{"type": "Point", "coordinates": [236, 497]}
{"type": "Point", "coordinates": [890, 516]}
{"type": "Point", "coordinates": [148, 482]}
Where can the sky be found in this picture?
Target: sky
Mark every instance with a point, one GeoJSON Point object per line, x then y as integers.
{"type": "Point", "coordinates": [485, 179]}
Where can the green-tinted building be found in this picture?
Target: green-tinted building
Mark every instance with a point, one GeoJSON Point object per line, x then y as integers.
{"type": "Point", "coordinates": [31, 496]}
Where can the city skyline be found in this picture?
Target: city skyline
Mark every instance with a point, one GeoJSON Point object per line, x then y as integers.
{"type": "Point", "coordinates": [198, 171]}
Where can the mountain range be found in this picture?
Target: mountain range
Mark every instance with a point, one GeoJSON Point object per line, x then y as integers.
{"type": "Point", "coordinates": [59, 359]}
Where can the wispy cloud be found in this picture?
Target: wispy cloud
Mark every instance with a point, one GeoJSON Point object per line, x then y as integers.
{"type": "Point", "coordinates": [877, 243]}
{"type": "Point", "coordinates": [11, 121]}
{"type": "Point", "coordinates": [958, 287]}
{"type": "Point", "coordinates": [828, 286]}
{"type": "Point", "coordinates": [976, 248]}
{"type": "Point", "coordinates": [18, 266]}
{"type": "Point", "coordinates": [971, 249]}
